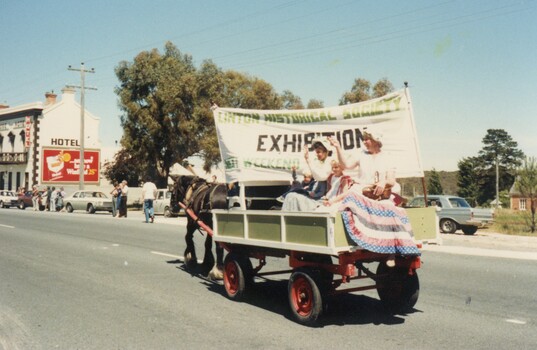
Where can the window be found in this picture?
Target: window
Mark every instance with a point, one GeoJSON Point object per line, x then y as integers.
{"type": "Point", "coordinates": [522, 203]}
{"type": "Point", "coordinates": [11, 137]}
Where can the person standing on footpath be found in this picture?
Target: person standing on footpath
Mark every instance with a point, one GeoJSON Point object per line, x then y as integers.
{"type": "Point", "coordinates": [114, 194]}
{"type": "Point", "coordinates": [123, 202]}
{"type": "Point", "coordinates": [48, 199]}
{"type": "Point", "coordinates": [149, 193]}
{"type": "Point", "coordinates": [35, 198]}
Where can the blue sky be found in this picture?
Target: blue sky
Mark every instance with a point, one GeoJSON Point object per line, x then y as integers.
{"type": "Point", "coordinates": [471, 65]}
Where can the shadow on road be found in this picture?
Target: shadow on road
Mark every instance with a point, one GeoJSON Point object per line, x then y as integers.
{"type": "Point", "coordinates": [271, 295]}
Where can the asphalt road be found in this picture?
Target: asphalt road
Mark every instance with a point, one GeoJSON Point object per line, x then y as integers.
{"type": "Point", "coordinates": [79, 281]}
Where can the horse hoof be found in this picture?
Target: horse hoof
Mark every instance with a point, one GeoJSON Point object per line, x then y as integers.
{"type": "Point", "coordinates": [189, 261]}
{"type": "Point", "coordinates": [216, 274]}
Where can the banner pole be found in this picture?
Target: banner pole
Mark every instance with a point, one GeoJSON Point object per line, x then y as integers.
{"type": "Point", "coordinates": [411, 112]}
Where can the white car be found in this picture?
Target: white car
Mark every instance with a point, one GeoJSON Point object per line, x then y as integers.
{"type": "Point", "coordinates": [8, 199]}
{"type": "Point", "coordinates": [161, 204]}
{"type": "Point", "coordinates": [90, 201]}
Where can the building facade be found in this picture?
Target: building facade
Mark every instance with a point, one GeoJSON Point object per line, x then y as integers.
{"type": "Point", "coordinates": [40, 143]}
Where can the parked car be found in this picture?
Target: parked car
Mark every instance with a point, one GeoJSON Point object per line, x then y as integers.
{"type": "Point", "coordinates": [161, 204]}
{"type": "Point", "coordinates": [25, 200]}
{"type": "Point", "coordinates": [90, 201]}
{"type": "Point", "coordinates": [455, 213]}
{"type": "Point", "coordinates": [8, 199]}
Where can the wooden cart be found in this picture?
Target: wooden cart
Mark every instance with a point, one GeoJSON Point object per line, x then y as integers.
{"type": "Point", "coordinates": [323, 260]}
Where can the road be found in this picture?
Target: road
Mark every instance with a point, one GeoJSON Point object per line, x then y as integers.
{"type": "Point", "coordinates": [79, 281]}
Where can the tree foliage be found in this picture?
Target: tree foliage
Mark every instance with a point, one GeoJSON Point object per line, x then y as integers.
{"type": "Point", "coordinates": [166, 103]}
{"type": "Point", "coordinates": [477, 175]}
{"type": "Point", "coordinates": [158, 95]}
{"type": "Point", "coordinates": [291, 101]}
{"type": "Point", "coordinates": [526, 185]}
{"type": "Point", "coordinates": [434, 186]}
{"type": "Point", "coordinates": [469, 180]}
{"type": "Point", "coordinates": [123, 167]}
{"type": "Point", "coordinates": [500, 151]}
{"type": "Point", "coordinates": [315, 103]}
{"type": "Point", "coordinates": [363, 90]}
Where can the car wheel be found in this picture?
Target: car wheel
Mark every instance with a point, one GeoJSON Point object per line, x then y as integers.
{"type": "Point", "coordinates": [21, 205]}
{"type": "Point", "coordinates": [448, 226]}
{"type": "Point", "coordinates": [2, 204]}
{"type": "Point", "coordinates": [69, 208]}
{"type": "Point", "coordinates": [91, 209]}
{"type": "Point", "coordinates": [167, 212]}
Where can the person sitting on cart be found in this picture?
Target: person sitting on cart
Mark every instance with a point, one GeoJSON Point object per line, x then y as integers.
{"type": "Point", "coordinates": [370, 217]}
{"type": "Point", "coordinates": [305, 187]}
{"type": "Point", "coordinates": [338, 183]}
{"type": "Point", "coordinates": [320, 168]}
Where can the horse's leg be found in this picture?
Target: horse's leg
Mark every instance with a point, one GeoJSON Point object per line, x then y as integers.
{"type": "Point", "coordinates": [190, 257]}
{"type": "Point", "coordinates": [208, 258]}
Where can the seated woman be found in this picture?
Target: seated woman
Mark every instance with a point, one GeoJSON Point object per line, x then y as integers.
{"type": "Point", "coordinates": [320, 168]}
{"type": "Point", "coordinates": [338, 183]}
{"type": "Point", "coordinates": [374, 224]}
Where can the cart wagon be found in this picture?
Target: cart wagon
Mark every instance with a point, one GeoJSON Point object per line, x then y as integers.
{"type": "Point", "coordinates": [322, 259]}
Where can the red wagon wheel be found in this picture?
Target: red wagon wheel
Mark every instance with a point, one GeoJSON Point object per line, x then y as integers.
{"type": "Point", "coordinates": [305, 298]}
{"type": "Point", "coordinates": [237, 275]}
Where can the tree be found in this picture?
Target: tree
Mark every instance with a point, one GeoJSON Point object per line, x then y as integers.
{"type": "Point", "coordinates": [362, 90]}
{"type": "Point", "coordinates": [124, 168]}
{"type": "Point", "coordinates": [166, 104]}
{"type": "Point", "coordinates": [500, 158]}
{"type": "Point", "coordinates": [526, 184]}
{"type": "Point", "coordinates": [291, 101]}
{"type": "Point", "coordinates": [314, 103]}
{"type": "Point", "coordinates": [434, 186]}
{"type": "Point", "coordinates": [469, 180]}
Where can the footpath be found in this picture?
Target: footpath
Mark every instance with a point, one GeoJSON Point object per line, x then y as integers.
{"type": "Point", "coordinates": [483, 243]}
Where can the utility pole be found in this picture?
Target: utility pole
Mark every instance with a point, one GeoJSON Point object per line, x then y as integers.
{"type": "Point", "coordinates": [82, 88]}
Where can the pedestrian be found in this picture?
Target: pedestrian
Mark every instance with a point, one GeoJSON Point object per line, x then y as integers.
{"type": "Point", "coordinates": [52, 199]}
{"type": "Point", "coordinates": [149, 193]}
{"type": "Point", "coordinates": [124, 196]}
{"type": "Point", "coordinates": [122, 199]}
{"type": "Point", "coordinates": [48, 199]}
{"type": "Point", "coordinates": [60, 195]}
{"type": "Point", "coordinates": [35, 198]}
{"type": "Point", "coordinates": [114, 194]}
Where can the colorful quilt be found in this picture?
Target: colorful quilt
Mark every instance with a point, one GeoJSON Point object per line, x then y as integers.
{"type": "Point", "coordinates": [378, 226]}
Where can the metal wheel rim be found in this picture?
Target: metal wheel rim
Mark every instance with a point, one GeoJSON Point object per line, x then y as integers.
{"type": "Point", "coordinates": [231, 279]}
{"type": "Point", "coordinates": [302, 296]}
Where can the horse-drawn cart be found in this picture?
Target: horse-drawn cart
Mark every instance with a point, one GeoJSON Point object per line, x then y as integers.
{"type": "Point", "coordinates": [318, 250]}
{"type": "Point", "coordinates": [324, 253]}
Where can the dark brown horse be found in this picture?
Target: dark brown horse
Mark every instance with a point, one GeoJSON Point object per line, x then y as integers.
{"type": "Point", "coordinates": [201, 197]}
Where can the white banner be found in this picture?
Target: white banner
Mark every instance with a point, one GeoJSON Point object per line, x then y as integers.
{"type": "Point", "coordinates": [263, 145]}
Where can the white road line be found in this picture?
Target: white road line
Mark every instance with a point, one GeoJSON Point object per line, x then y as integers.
{"type": "Point", "coordinates": [7, 226]}
{"type": "Point", "coordinates": [512, 320]}
{"type": "Point", "coordinates": [168, 255]}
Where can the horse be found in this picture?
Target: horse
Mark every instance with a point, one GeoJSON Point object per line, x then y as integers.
{"type": "Point", "coordinates": [201, 197]}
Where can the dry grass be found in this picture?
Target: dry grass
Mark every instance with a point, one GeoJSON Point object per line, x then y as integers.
{"type": "Point", "coordinates": [512, 222]}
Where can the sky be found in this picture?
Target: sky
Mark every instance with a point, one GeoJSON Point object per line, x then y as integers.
{"type": "Point", "coordinates": [470, 65]}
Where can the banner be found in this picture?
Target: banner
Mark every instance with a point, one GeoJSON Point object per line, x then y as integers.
{"type": "Point", "coordinates": [60, 165]}
{"type": "Point", "coordinates": [263, 145]}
